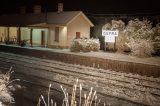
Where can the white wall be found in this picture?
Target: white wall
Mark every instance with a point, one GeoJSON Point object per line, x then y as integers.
{"type": "Point", "coordinates": [25, 34]}
{"type": "Point", "coordinates": [46, 36]}
{"type": "Point", "coordinates": [3, 33]}
{"type": "Point", "coordinates": [51, 35]}
{"type": "Point", "coordinates": [13, 32]}
{"type": "Point", "coordinates": [37, 36]}
{"type": "Point", "coordinates": [62, 36]}
{"type": "Point", "coordinates": [78, 25]}
{"type": "Point", "coordinates": [68, 33]}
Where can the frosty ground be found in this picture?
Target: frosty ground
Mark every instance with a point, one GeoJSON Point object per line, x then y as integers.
{"type": "Point", "coordinates": [112, 87]}
{"type": "Point", "coordinates": [100, 54]}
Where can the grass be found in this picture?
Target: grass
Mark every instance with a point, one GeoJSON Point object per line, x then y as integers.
{"type": "Point", "coordinates": [5, 86]}
{"type": "Point", "coordinates": [86, 100]}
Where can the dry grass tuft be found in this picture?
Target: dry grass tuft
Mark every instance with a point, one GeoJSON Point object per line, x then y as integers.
{"type": "Point", "coordinates": [87, 100]}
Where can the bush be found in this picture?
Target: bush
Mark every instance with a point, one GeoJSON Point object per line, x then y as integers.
{"type": "Point", "coordinates": [122, 43]}
{"type": "Point", "coordinates": [6, 98]}
{"type": "Point", "coordinates": [118, 25]}
{"type": "Point", "coordinates": [85, 45]}
{"type": "Point", "coordinates": [141, 48]}
{"type": "Point", "coordinates": [114, 25]}
{"type": "Point", "coordinates": [140, 35]}
{"type": "Point", "coordinates": [137, 29]}
{"type": "Point", "coordinates": [156, 39]}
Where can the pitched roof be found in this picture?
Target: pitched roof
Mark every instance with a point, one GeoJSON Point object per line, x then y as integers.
{"type": "Point", "coordinates": [62, 18]}
{"type": "Point", "coordinates": [21, 19]}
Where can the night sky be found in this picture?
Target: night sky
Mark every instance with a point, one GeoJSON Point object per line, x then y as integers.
{"type": "Point", "coordinates": [88, 6]}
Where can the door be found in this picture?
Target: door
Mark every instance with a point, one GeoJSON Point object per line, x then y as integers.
{"type": "Point", "coordinates": [43, 38]}
{"type": "Point", "coordinates": [57, 34]}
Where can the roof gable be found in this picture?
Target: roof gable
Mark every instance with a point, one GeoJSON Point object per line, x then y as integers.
{"type": "Point", "coordinates": [84, 16]}
{"type": "Point", "coordinates": [61, 18]}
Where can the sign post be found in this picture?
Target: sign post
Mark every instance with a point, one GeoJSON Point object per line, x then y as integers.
{"type": "Point", "coordinates": [105, 46]}
{"type": "Point", "coordinates": [110, 36]}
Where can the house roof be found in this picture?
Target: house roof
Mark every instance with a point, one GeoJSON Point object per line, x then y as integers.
{"type": "Point", "coordinates": [63, 18]}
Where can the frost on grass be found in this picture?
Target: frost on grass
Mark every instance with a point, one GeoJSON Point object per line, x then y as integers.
{"type": "Point", "coordinates": [83, 100]}
{"type": "Point", "coordinates": [5, 88]}
{"type": "Point", "coordinates": [138, 37]}
{"type": "Point", "coordinates": [141, 47]}
{"type": "Point", "coordinates": [135, 90]}
{"type": "Point", "coordinates": [85, 45]}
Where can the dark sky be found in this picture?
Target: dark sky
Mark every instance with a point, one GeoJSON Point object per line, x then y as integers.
{"type": "Point", "coordinates": [88, 6]}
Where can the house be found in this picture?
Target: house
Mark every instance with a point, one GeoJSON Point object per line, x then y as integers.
{"type": "Point", "coordinates": [50, 29]}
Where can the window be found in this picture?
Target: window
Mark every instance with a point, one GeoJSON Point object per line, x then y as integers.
{"type": "Point", "coordinates": [78, 35]}
{"type": "Point", "coordinates": [57, 34]}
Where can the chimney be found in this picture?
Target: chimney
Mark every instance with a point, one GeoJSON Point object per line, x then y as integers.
{"type": "Point", "coordinates": [36, 9]}
{"type": "Point", "coordinates": [60, 7]}
{"type": "Point", "coordinates": [22, 10]}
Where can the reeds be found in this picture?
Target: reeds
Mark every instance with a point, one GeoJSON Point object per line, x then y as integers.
{"type": "Point", "coordinates": [87, 100]}
{"type": "Point", "coordinates": [49, 102]}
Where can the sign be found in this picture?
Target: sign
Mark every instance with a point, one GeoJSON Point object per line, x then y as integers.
{"type": "Point", "coordinates": [110, 39]}
{"type": "Point", "coordinates": [109, 35]}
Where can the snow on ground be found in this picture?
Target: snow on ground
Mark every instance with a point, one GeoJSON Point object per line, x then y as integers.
{"type": "Point", "coordinates": [101, 54]}
{"type": "Point", "coordinates": [140, 89]}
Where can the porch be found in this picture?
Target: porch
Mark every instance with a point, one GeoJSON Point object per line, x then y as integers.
{"type": "Point", "coordinates": [24, 36]}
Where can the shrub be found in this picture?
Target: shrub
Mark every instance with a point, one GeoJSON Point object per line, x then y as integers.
{"type": "Point", "coordinates": [107, 26]}
{"type": "Point", "coordinates": [118, 25]}
{"type": "Point", "coordinates": [114, 25]}
{"type": "Point", "coordinates": [141, 48]}
{"type": "Point", "coordinates": [137, 29]}
{"type": "Point", "coordinates": [140, 35]}
{"type": "Point", "coordinates": [122, 43]}
{"type": "Point", "coordinates": [5, 88]}
{"type": "Point", "coordinates": [156, 38]}
{"type": "Point", "coordinates": [85, 45]}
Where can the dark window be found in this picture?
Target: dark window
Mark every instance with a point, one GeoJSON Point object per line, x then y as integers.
{"type": "Point", "coordinates": [78, 35]}
{"type": "Point", "coordinates": [57, 34]}
{"type": "Point", "coordinates": [43, 38]}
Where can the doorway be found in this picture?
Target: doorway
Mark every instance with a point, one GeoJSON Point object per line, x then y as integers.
{"type": "Point", "coordinates": [43, 38]}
